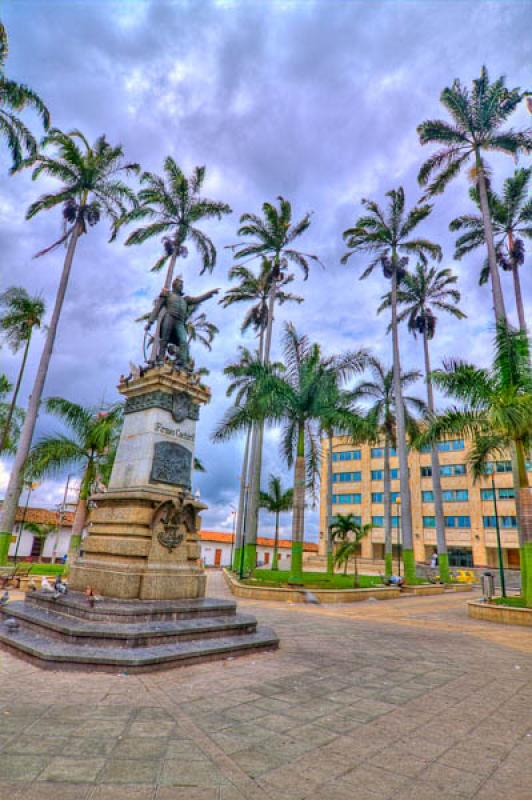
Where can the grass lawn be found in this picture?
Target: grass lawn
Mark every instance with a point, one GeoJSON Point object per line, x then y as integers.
{"type": "Point", "coordinates": [37, 569]}
{"type": "Point", "coordinates": [313, 580]}
{"type": "Point", "coordinates": [513, 602]}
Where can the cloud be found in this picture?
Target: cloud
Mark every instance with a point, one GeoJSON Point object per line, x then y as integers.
{"type": "Point", "coordinates": [318, 101]}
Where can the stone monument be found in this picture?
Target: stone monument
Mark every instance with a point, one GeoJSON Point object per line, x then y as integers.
{"type": "Point", "coordinates": [136, 591]}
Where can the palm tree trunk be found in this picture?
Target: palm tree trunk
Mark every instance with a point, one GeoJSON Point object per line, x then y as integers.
{"type": "Point", "coordinates": [523, 505]}
{"type": "Point", "coordinates": [405, 511]}
{"type": "Point", "coordinates": [298, 509]}
{"type": "Point", "coordinates": [275, 559]}
{"type": "Point", "coordinates": [441, 544]}
{"type": "Point", "coordinates": [356, 569]}
{"type": "Point", "coordinates": [241, 503]}
{"type": "Point", "coordinates": [519, 298]}
{"type": "Point", "coordinates": [13, 404]}
{"type": "Point", "coordinates": [12, 495]}
{"type": "Point", "coordinates": [498, 298]}
{"type": "Point", "coordinates": [388, 544]}
{"type": "Point", "coordinates": [329, 505]}
{"type": "Point", "coordinates": [406, 502]}
{"type": "Point", "coordinates": [80, 520]}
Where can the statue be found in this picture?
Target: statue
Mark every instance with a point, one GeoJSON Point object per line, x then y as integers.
{"type": "Point", "coordinates": [172, 310]}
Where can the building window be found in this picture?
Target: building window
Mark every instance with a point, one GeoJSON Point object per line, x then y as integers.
{"type": "Point", "coordinates": [451, 470]}
{"type": "Point", "coordinates": [497, 466]}
{"type": "Point", "coordinates": [505, 521]}
{"type": "Point", "coordinates": [458, 522]}
{"type": "Point", "coordinates": [378, 522]}
{"type": "Point", "coordinates": [429, 522]}
{"type": "Point", "coordinates": [378, 497]}
{"type": "Point", "coordinates": [502, 494]}
{"type": "Point", "coordinates": [346, 477]}
{"type": "Point", "coordinates": [460, 557]}
{"type": "Point", "coordinates": [348, 499]}
{"type": "Point", "coordinates": [446, 446]}
{"type": "Point", "coordinates": [455, 495]}
{"type": "Point", "coordinates": [378, 474]}
{"type": "Point", "coordinates": [378, 452]}
{"type": "Point", "coordinates": [347, 455]}
{"type": "Point", "coordinates": [426, 472]}
{"type": "Point", "coordinates": [427, 496]}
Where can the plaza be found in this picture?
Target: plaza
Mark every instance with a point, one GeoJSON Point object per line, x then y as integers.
{"type": "Point", "coordinates": [398, 700]}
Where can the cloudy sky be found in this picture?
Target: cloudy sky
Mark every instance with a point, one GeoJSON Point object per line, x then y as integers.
{"type": "Point", "coordinates": [316, 101]}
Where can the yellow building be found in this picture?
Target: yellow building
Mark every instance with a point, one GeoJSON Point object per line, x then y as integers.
{"type": "Point", "coordinates": [468, 506]}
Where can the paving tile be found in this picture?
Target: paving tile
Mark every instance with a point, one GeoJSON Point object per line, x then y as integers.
{"type": "Point", "coordinates": [155, 728]}
{"type": "Point", "coordinates": [21, 768]}
{"type": "Point", "coordinates": [257, 761]}
{"type": "Point", "coordinates": [188, 793]}
{"type": "Point", "coordinates": [35, 745]}
{"type": "Point", "coordinates": [72, 770]}
{"type": "Point", "coordinates": [52, 791]}
{"type": "Point", "coordinates": [140, 747]}
{"type": "Point", "coordinates": [134, 771]}
{"type": "Point", "coordinates": [178, 772]}
{"type": "Point", "coordinates": [121, 792]}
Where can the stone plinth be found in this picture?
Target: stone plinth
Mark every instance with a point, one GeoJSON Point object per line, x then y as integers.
{"type": "Point", "coordinates": [143, 540]}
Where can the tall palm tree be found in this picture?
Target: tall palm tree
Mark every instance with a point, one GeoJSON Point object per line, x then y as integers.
{"type": "Point", "coordinates": [477, 119]}
{"type": "Point", "coordinates": [495, 410]}
{"type": "Point", "coordinates": [91, 187]}
{"type": "Point", "coordinates": [199, 329]}
{"type": "Point", "coordinates": [511, 219]}
{"type": "Point", "coordinates": [15, 97]}
{"type": "Point", "coordinates": [297, 397]}
{"type": "Point", "coordinates": [17, 417]}
{"type": "Point", "coordinates": [351, 532]}
{"type": "Point", "coordinates": [173, 206]}
{"type": "Point", "coordinates": [89, 446]}
{"type": "Point", "coordinates": [381, 420]}
{"type": "Point", "coordinates": [20, 314]}
{"type": "Point", "coordinates": [276, 500]}
{"type": "Point", "coordinates": [386, 234]}
{"type": "Point", "coordinates": [270, 237]}
{"type": "Point", "coordinates": [420, 294]}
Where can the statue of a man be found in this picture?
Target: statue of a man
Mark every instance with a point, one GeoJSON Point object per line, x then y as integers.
{"type": "Point", "coordinates": [174, 308]}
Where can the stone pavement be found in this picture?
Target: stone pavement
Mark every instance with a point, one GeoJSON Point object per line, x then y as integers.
{"type": "Point", "coordinates": [390, 700]}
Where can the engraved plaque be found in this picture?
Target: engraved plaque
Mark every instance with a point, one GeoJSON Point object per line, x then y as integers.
{"type": "Point", "coordinates": [172, 463]}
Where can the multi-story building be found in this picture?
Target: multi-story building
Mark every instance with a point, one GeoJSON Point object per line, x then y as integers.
{"type": "Point", "coordinates": [468, 504]}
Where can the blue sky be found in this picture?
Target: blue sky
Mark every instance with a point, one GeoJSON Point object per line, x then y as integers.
{"type": "Point", "coordinates": [317, 101]}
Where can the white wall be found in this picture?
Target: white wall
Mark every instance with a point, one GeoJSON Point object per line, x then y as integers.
{"type": "Point", "coordinates": [26, 543]}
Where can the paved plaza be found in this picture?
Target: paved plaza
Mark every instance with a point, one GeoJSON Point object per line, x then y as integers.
{"type": "Point", "coordinates": [391, 700]}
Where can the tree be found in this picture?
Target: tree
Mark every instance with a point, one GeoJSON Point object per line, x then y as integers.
{"type": "Point", "coordinates": [173, 206]}
{"type": "Point", "coordinates": [40, 531]}
{"type": "Point", "coordinates": [276, 500]}
{"type": "Point", "coordinates": [511, 219]}
{"type": "Point", "coordinates": [381, 423]}
{"type": "Point", "coordinates": [421, 293]}
{"type": "Point", "coordinates": [347, 526]}
{"type": "Point", "coordinates": [199, 329]}
{"type": "Point", "coordinates": [272, 238]}
{"type": "Point", "coordinates": [256, 289]}
{"type": "Point", "coordinates": [91, 187]}
{"type": "Point", "coordinates": [296, 396]}
{"type": "Point", "coordinates": [495, 411]}
{"type": "Point", "coordinates": [16, 417]}
{"type": "Point", "coordinates": [15, 97]}
{"type": "Point", "coordinates": [89, 446]}
{"type": "Point", "coordinates": [386, 234]}
{"type": "Point", "coordinates": [476, 127]}
{"type": "Point", "coordinates": [20, 314]}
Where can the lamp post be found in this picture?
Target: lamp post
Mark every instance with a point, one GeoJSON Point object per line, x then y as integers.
{"type": "Point", "coordinates": [31, 486]}
{"type": "Point", "coordinates": [398, 504]}
{"type": "Point", "coordinates": [499, 548]}
{"type": "Point", "coordinates": [233, 512]}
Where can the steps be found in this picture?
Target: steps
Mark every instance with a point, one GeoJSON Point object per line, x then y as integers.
{"type": "Point", "coordinates": [128, 635]}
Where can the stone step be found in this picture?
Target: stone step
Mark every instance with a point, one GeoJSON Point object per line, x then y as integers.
{"type": "Point", "coordinates": [105, 633]}
{"type": "Point", "coordinates": [53, 653]}
{"type": "Point", "coordinates": [75, 604]}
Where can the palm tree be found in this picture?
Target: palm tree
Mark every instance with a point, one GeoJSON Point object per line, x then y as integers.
{"type": "Point", "coordinates": [386, 234]}
{"type": "Point", "coordinates": [89, 446]}
{"type": "Point", "coordinates": [421, 293]}
{"type": "Point", "coordinates": [40, 531]}
{"type": "Point", "coordinates": [477, 119]}
{"type": "Point", "coordinates": [276, 500]}
{"type": "Point", "coordinates": [256, 289]}
{"type": "Point", "coordinates": [91, 186]}
{"type": "Point", "coordinates": [381, 420]}
{"type": "Point", "coordinates": [15, 97]}
{"type": "Point", "coordinates": [495, 410]}
{"type": "Point", "coordinates": [297, 397]}
{"type": "Point", "coordinates": [511, 219]}
{"type": "Point", "coordinates": [17, 417]}
{"type": "Point", "coordinates": [173, 205]}
{"type": "Point", "coordinates": [347, 526]}
{"type": "Point", "coordinates": [21, 314]}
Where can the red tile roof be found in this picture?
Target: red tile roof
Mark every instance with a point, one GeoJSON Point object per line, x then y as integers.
{"type": "Point", "coordinates": [44, 516]}
{"type": "Point", "coordinates": [219, 536]}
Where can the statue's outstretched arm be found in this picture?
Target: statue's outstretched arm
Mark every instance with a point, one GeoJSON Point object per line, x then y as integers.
{"type": "Point", "coordinates": [195, 301]}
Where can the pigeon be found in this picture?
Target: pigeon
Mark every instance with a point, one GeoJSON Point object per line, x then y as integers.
{"type": "Point", "coordinates": [12, 624]}
{"type": "Point", "coordinates": [4, 600]}
{"type": "Point", "coordinates": [310, 597]}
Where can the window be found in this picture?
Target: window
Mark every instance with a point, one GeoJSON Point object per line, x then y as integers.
{"type": "Point", "coordinates": [347, 455]}
{"type": "Point", "coordinates": [346, 477]}
{"type": "Point", "coordinates": [446, 447]}
{"type": "Point", "coordinates": [378, 522]}
{"type": "Point", "coordinates": [378, 474]}
{"type": "Point", "coordinates": [457, 522]}
{"type": "Point", "coordinates": [355, 499]}
{"type": "Point", "coordinates": [378, 452]}
{"type": "Point", "coordinates": [497, 466]}
{"type": "Point", "coordinates": [504, 522]}
{"type": "Point", "coordinates": [502, 494]}
{"type": "Point", "coordinates": [455, 495]}
{"type": "Point", "coordinates": [426, 472]}
{"type": "Point", "coordinates": [429, 522]}
{"type": "Point", "coordinates": [378, 497]}
{"type": "Point", "coordinates": [427, 496]}
{"type": "Point", "coordinates": [451, 470]}
{"type": "Point", "coordinates": [460, 557]}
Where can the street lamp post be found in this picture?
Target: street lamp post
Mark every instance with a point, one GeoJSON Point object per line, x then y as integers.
{"type": "Point", "coordinates": [499, 548]}
{"type": "Point", "coordinates": [398, 504]}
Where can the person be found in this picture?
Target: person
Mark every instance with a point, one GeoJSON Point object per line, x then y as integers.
{"type": "Point", "coordinates": [434, 559]}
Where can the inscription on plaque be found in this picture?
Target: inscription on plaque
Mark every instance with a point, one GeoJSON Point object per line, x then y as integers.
{"type": "Point", "coordinates": [172, 463]}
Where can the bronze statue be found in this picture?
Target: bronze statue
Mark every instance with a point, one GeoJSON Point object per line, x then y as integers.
{"type": "Point", "coordinates": [172, 309]}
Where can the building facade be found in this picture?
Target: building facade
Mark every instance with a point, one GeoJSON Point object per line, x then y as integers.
{"type": "Point", "coordinates": [468, 504]}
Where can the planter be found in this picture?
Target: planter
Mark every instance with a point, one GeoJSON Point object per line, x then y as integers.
{"type": "Point", "coordinates": [436, 588]}
{"type": "Point", "coordinates": [506, 615]}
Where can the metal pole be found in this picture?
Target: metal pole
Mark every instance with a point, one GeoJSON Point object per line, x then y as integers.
{"type": "Point", "coordinates": [499, 549]}
{"type": "Point", "coordinates": [233, 538]}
